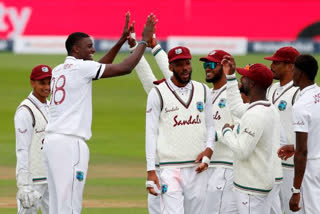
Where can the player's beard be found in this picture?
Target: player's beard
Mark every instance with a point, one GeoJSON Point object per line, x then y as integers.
{"type": "Point", "coordinates": [217, 77]}
{"type": "Point", "coordinates": [244, 90]}
{"type": "Point", "coordinates": [180, 80]}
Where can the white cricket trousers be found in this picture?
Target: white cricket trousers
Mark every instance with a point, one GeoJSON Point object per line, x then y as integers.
{"type": "Point", "coordinates": [274, 199]}
{"type": "Point", "coordinates": [220, 197]}
{"type": "Point", "coordinates": [310, 190]}
{"type": "Point", "coordinates": [43, 204]}
{"type": "Point", "coordinates": [285, 191]}
{"type": "Point", "coordinates": [252, 204]}
{"type": "Point", "coordinates": [186, 190]}
{"type": "Point", "coordinates": [67, 159]}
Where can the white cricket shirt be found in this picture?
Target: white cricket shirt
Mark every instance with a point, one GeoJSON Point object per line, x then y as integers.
{"type": "Point", "coordinates": [70, 110]}
{"type": "Point", "coordinates": [306, 118]}
{"type": "Point", "coordinates": [24, 130]}
{"type": "Point", "coordinates": [153, 115]}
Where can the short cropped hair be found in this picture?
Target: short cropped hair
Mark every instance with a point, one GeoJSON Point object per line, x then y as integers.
{"type": "Point", "coordinates": [307, 64]}
{"type": "Point", "coordinates": [73, 39]}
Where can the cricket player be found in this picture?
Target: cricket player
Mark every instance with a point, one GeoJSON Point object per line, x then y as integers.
{"type": "Point", "coordinates": [30, 121]}
{"type": "Point", "coordinates": [220, 197]}
{"type": "Point", "coordinates": [283, 95]}
{"type": "Point", "coordinates": [306, 125]}
{"type": "Point", "coordinates": [178, 128]}
{"type": "Point", "coordinates": [66, 152]}
{"type": "Point", "coordinates": [148, 80]}
{"type": "Point", "coordinates": [254, 139]}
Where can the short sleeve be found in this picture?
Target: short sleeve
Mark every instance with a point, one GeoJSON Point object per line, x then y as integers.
{"type": "Point", "coordinates": [91, 69]}
{"type": "Point", "coordinates": [300, 118]}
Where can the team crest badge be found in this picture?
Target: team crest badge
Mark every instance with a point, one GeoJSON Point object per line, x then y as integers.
{"type": "Point", "coordinates": [164, 188]}
{"type": "Point", "coordinates": [178, 51]}
{"type": "Point", "coordinates": [222, 103]}
{"type": "Point", "coordinates": [79, 175]}
{"type": "Point", "coordinates": [200, 106]}
{"type": "Point", "coordinates": [44, 69]}
{"type": "Point", "coordinates": [282, 105]}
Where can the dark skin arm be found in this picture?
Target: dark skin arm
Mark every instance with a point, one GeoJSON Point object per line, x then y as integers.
{"type": "Point", "coordinates": [300, 162]}
{"type": "Point", "coordinates": [128, 64]}
{"type": "Point", "coordinates": [152, 176]}
{"type": "Point", "coordinates": [111, 54]}
{"type": "Point", "coordinates": [203, 166]}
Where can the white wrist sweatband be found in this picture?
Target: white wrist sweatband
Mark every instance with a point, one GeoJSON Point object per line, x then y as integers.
{"type": "Point", "coordinates": [133, 36]}
{"type": "Point", "coordinates": [206, 160]}
{"type": "Point", "coordinates": [150, 184]}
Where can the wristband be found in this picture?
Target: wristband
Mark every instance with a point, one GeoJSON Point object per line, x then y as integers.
{"type": "Point", "coordinates": [206, 160]}
{"type": "Point", "coordinates": [294, 190]}
{"type": "Point", "coordinates": [150, 184]}
{"type": "Point", "coordinates": [143, 42]}
{"type": "Point", "coordinates": [133, 35]}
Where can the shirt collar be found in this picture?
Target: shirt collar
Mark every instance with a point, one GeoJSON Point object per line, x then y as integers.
{"type": "Point", "coordinates": [308, 88]}
{"type": "Point", "coordinates": [287, 85]}
{"type": "Point", "coordinates": [174, 87]}
{"type": "Point", "coordinates": [266, 103]}
{"type": "Point", "coordinates": [72, 58]}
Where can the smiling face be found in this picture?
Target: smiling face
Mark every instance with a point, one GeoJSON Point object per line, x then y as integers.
{"type": "Point", "coordinates": [84, 49]}
{"type": "Point", "coordinates": [182, 71]}
{"type": "Point", "coordinates": [41, 88]}
{"type": "Point", "coordinates": [215, 74]}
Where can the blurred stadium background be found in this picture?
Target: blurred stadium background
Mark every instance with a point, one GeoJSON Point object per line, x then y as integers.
{"type": "Point", "coordinates": [33, 32]}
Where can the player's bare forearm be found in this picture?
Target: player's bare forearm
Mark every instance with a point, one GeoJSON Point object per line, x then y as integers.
{"type": "Point", "coordinates": [128, 64]}
{"type": "Point", "coordinates": [300, 158]}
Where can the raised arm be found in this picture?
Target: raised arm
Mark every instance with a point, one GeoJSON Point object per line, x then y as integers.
{"type": "Point", "coordinates": [237, 107]}
{"type": "Point", "coordinates": [128, 64]}
{"type": "Point", "coordinates": [111, 54]}
{"type": "Point", "coordinates": [161, 58]}
{"type": "Point", "coordinates": [143, 68]}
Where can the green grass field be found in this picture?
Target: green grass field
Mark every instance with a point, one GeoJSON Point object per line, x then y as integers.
{"type": "Point", "coordinates": [116, 178]}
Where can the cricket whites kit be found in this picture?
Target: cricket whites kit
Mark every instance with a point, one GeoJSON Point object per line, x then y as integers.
{"type": "Point", "coordinates": [220, 196]}
{"type": "Point", "coordinates": [65, 149]}
{"type": "Point", "coordinates": [179, 126]}
{"type": "Point", "coordinates": [147, 79]}
{"type": "Point", "coordinates": [283, 98]}
{"type": "Point", "coordinates": [306, 118]}
{"type": "Point", "coordinates": [252, 142]}
{"type": "Point", "coordinates": [30, 123]}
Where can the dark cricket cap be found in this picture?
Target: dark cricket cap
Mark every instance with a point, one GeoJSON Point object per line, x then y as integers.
{"type": "Point", "coordinates": [215, 56]}
{"type": "Point", "coordinates": [285, 54]}
{"type": "Point", "coordinates": [40, 72]}
{"type": "Point", "coordinates": [259, 73]}
{"type": "Point", "coordinates": [179, 52]}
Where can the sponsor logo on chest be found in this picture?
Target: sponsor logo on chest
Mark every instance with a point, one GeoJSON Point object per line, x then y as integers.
{"type": "Point", "coordinates": [190, 121]}
{"type": "Point", "coordinates": [217, 116]}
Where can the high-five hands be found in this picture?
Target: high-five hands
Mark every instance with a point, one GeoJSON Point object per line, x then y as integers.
{"type": "Point", "coordinates": [149, 29]}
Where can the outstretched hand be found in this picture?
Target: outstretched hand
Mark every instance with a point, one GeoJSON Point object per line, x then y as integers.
{"type": "Point", "coordinates": [125, 31]}
{"type": "Point", "coordinates": [149, 28]}
{"type": "Point", "coordinates": [132, 35]}
{"type": "Point", "coordinates": [229, 65]}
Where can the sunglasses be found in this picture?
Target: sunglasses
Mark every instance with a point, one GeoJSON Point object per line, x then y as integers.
{"type": "Point", "coordinates": [210, 65]}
